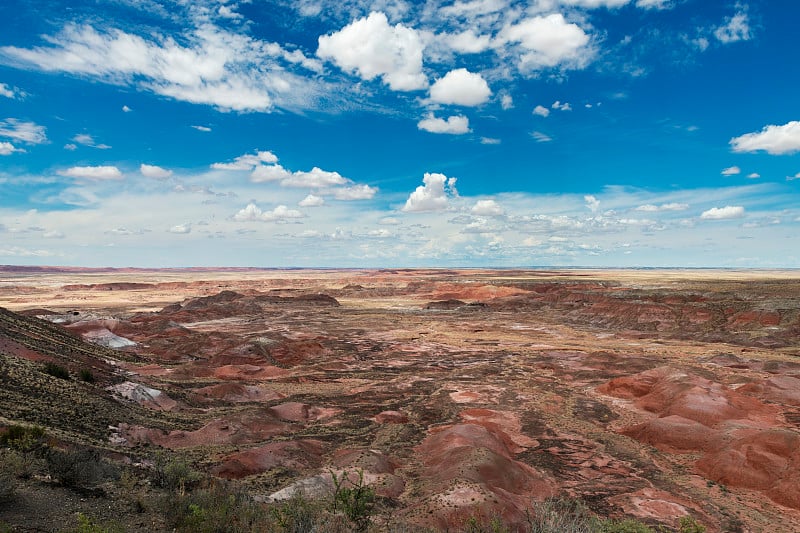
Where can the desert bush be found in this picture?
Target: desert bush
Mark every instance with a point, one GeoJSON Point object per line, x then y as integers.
{"type": "Point", "coordinates": [625, 526]}
{"type": "Point", "coordinates": [354, 499]}
{"type": "Point", "coordinates": [175, 474]}
{"type": "Point", "coordinates": [83, 469]}
{"type": "Point", "coordinates": [55, 370]}
{"type": "Point", "coordinates": [562, 516]}
{"type": "Point", "coordinates": [87, 525]}
{"type": "Point", "coordinates": [688, 524]}
{"type": "Point", "coordinates": [86, 375]}
{"type": "Point", "coordinates": [22, 438]}
{"type": "Point", "coordinates": [216, 509]}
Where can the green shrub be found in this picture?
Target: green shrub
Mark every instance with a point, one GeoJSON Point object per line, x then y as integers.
{"type": "Point", "coordinates": [83, 469]}
{"type": "Point", "coordinates": [174, 474]}
{"type": "Point", "coordinates": [22, 438]}
{"type": "Point", "coordinates": [56, 370]}
{"type": "Point", "coordinates": [86, 375]}
{"type": "Point", "coordinates": [354, 499]}
{"type": "Point", "coordinates": [296, 515]}
{"type": "Point", "coordinates": [625, 526]}
{"type": "Point", "coordinates": [216, 509]}
{"type": "Point", "coordinates": [88, 525]}
{"type": "Point", "coordinates": [688, 524]}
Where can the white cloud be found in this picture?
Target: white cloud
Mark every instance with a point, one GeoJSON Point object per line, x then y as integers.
{"type": "Point", "coordinates": [181, 229]}
{"type": "Point", "coordinates": [506, 102]}
{"type": "Point", "coordinates": [355, 192]}
{"type": "Point", "coordinates": [490, 140]}
{"type": "Point", "coordinates": [71, 147]}
{"type": "Point", "coordinates": [674, 206]}
{"type": "Point", "coordinates": [433, 195]}
{"type": "Point", "coordinates": [87, 140]}
{"type": "Point", "coordinates": [467, 42]}
{"type": "Point", "coordinates": [736, 28]}
{"type": "Point", "coordinates": [456, 125]}
{"type": "Point", "coordinates": [731, 171]}
{"type": "Point", "coordinates": [389, 221]}
{"type": "Point", "coordinates": [488, 208]}
{"type": "Point", "coordinates": [461, 87]}
{"type": "Point", "coordinates": [370, 47]}
{"type": "Point", "coordinates": [16, 251]}
{"type": "Point", "coordinates": [6, 148]}
{"type": "Point", "coordinates": [155, 172]}
{"type": "Point", "coordinates": [204, 129]}
{"type": "Point", "coordinates": [723, 213]}
{"type": "Point", "coordinates": [215, 67]}
{"type": "Point", "coordinates": [592, 203]}
{"type": "Point", "coordinates": [561, 107]}
{"type": "Point", "coordinates": [316, 178]}
{"type": "Point", "coordinates": [253, 213]}
{"type": "Point", "coordinates": [591, 4]}
{"type": "Point", "coordinates": [541, 111]}
{"type": "Point", "coordinates": [541, 137]}
{"type": "Point", "coordinates": [754, 175]}
{"type": "Point", "coordinates": [247, 161]}
{"type": "Point", "coordinates": [792, 178]}
{"type": "Point", "coordinates": [10, 92]}
{"type": "Point", "coordinates": [311, 201]}
{"type": "Point", "coordinates": [773, 139]}
{"type": "Point", "coordinates": [27, 132]}
{"type": "Point", "coordinates": [228, 13]}
{"type": "Point", "coordinates": [53, 234]}
{"type": "Point", "coordinates": [654, 4]}
{"type": "Point", "coordinates": [548, 41]}
{"type": "Point", "coordinates": [93, 173]}
{"type": "Point", "coordinates": [126, 109]}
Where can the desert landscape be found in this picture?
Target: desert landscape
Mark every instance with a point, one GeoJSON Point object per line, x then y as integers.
{"type": "Point", "coordinates": [459, 400]}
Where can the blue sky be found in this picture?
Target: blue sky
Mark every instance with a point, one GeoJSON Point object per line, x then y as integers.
{"type": "Point", "coordinates": [349, 133]}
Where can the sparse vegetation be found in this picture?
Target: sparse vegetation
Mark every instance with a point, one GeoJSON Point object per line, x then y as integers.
{"type": "Point", "coordinates": [353, 498]}
{"type": "Point", "coordinates": [215, 509]}
{"type": "Point", "coordinates": [8, 485]}
{"type": "Point", "coordinates": [86, 375]}
{"type": "Point", "coordinates": [55, 370]}
{"type": "Point", "coordinates": [87, 525]}
{"type": "Point", "coordinates": [82, 469]}
{"type": "Point", "coordinates": [22, 438]}
{"type": "Point", "coordinates": [174, 474]}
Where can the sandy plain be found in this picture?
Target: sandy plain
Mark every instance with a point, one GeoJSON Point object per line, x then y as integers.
{"type": "Point", "coordinates": [645, 393]}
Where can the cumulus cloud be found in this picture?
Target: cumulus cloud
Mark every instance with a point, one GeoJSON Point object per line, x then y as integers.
{"type": "Point", "coordinates": [316, 178]}
{"type": "Point", "coordinates": [488, 208]}
{"type": "Point", "coordinates": [541, 111]}
{"type": "Point", "coordinates": [6, 148]}
{"type": "Point", "coordinates": [155, 172]}
{"type": "Point", "coordinates": [27, 132]}
{"type": "Point", "coordinates": [98, 173]}
{"type": "Point", "coordinates": [731, 171]}
{"type": "Point", "coordinates": [547, 41]}
{"type": "Point", "coordinates": [773, 139]}
{"type": "Point", "coordinates": [247, 161]}
{"type": "Point", "coordinates": [126, 109]}
{"type": "Point", "coordinates": [455, 125]}
{"type": "Point", "coordinates": [754, 175]}
{"type": "Point", "coordinates": [467, 42]}
{"type": "Point", "coordinates": [792, 178]}
{"type": "Point", "coordinates": [592, 203]}
{"type": "Point", "coordinates": [311, 201]}
{"type": "Point", "coordinates": [561, 106]}
{"type": "Point", "coordinates": [229, 71]}
{"type": "Point", "coordinates": [433, 195]}
{"type": "Point", "coordinates": [674, 206]}
{"type": "Point", "coordinates": [355, 192]}
{"type": "Point", "coordinates": [370, 47]}
{"type": "Point", "coordinates": [723, 213]}
{"type": "Point", "coordinates": [461, 87]}
{"type": "Point", "coordinates": [736, 28]}
{"type": "Point", "coordinates": [506, 102]}
{"type": "Point", "coordinates": [252, 213]}
{"type": "Point", "coordinates": [654, 4]}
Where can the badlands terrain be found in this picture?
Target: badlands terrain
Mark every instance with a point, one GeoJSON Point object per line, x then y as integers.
{"type": "Point", "coordinates": [456, 394]}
